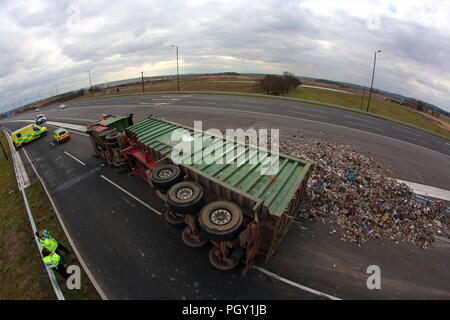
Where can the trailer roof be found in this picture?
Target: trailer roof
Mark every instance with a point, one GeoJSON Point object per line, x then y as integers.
{"type": "Point", "coordinates": [272, 191]}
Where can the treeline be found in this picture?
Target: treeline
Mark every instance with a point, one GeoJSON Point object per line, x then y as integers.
{"type": "Point", "coordinates": [279, 85]}
{"type": "Point", "coordinates": [419, 105]}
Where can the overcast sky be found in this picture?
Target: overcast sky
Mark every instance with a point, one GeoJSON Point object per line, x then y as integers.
{"type": "Point", "coordinates": [44, 43]}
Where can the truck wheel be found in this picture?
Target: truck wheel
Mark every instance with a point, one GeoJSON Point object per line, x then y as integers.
{"type": "Point", "coordinates": [185, 197]}
{"type": "Point", "coordinates": [112, 144]}
{"type": "Point", "coordinates": [172, 219]}
{"type": "Point", "coordinates": [165, 176]}
{"type": "Point", "coordinates": [102, 135]}
{"type": "Point", "coordinates": [112, 137]}
{"type": "Point", "coordinates": [188, 239]}
{"type": "Point", "coordinates": [219, 264]}
{"type": "Point", "coordinates": [221, 220]}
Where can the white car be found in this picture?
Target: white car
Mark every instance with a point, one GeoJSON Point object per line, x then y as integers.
{"type": "Point", "coordinates": [40, 119]}
{"type": "Point", "coordinates": [62, 106]}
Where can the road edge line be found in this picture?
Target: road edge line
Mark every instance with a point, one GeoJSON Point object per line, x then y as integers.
{"type": "Point", "coordinates": [294, 284]}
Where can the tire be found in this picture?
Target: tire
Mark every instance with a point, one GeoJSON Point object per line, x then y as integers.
{"type": "Point", "coordinates": [165, 176]}
{"type": "Point", "coordinates": [113, 144]}
{"type": "Point", "coordinates": [221, 220]}
{"type": "Point", "coordinates": [172, 220]}
{"type": "Point", "coordinates": [185, 197]}
{"type": "Point", "coordinates": [187, 240]}
{"type": "Point", "coordinates": [216, 263]}
{"type": "Point", "coordinates": [113, 137]}
{"type": "Point", "coordinates": [102, 135]}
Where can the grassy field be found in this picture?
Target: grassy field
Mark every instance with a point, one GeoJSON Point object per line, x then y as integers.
{"type": "Point", "coordinates": [377, 106]}
{"type": "Point", "coordinates": [244, 85]}
{"type": "Point", "coordinates": [22, 272]}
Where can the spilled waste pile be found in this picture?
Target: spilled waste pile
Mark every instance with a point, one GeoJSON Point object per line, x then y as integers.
{"type": "Point", "coordinates": [353, 191]}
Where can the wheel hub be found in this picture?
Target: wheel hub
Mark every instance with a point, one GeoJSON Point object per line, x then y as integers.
{"type": "Point", "coordinates": [184, 193]}
{"type": "Point", "coordinates": [221, 217]}
{"type": "Point", "coordinates": [164, 174]}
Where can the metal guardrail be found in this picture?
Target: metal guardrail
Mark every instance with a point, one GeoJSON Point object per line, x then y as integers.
{"type": "Point", "coordinates": [14, 155]}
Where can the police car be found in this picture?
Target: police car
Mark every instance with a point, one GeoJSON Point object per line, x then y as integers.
{"type": "Point", "coordinates": [61, 135]}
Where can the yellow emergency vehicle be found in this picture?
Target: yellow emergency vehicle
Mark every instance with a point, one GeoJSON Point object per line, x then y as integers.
{"type": "Point", "coordinates": [27, 134]}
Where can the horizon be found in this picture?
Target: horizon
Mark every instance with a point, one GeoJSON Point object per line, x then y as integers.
{"type": "Point", "coordinates": [49, 47]}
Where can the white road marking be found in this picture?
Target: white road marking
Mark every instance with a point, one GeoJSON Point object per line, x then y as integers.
{"type": "Point", "coordinates": [367, 126]}
{"type": "Point", "coordinates": [131, 195]}
{"type": "Point", "coordinates": [307, 114]}
{"type": "Point", "coordinates": [294, 284]}
{"type": "Point", "coordinates": [427, 191]}
{"type": "Point", "coordinates": [359, 119]}
{"type": "Point", "coordinates": [308, 109]}
{"type": "Point", "coordinates": [74, 158]}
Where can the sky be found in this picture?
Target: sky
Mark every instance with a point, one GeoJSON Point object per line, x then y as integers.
{"type": "Point", "coordinates": [48, 46]}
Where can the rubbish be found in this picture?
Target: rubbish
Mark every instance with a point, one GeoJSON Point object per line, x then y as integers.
{"type": "Point", "coordinates": [352, 190]}
{"type": "Point", "coordinates": [350, 175]}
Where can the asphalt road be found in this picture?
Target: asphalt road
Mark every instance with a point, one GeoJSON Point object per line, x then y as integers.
{"type": "Point", "coordinates": [133, 254]}
{"type": "Point", "coordinates": [410, 155]}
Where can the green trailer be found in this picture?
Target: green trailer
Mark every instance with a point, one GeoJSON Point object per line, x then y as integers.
{"type": "Point", "coordinates": [238, 197]}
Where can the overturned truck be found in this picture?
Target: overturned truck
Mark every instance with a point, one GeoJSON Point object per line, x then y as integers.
{"type": "Point", "coordinates": [240, 205]}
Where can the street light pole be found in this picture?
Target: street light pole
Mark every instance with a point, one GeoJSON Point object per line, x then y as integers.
{"type": "Point", "coordinates": [90, 81]}
{"type": "Point", "coordinates": [142, 75]}
{"type": "Point", "coordinates": [373, 74]}
{"type": "Point", "coordinates": [178, 73]}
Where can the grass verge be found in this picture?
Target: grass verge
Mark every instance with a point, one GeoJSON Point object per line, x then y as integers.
{"type": "Point", "coordinates": [22, 272]}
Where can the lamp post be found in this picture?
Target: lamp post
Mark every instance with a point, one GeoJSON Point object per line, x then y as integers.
{"type": "Point", "coordinates": [373, 74]}
{"type": "Point", "coordinates": [178, 74]}
{"type": "Point", "coordinates": [90, 81]}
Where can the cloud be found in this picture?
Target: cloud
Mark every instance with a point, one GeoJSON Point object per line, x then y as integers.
{"type": "Point", "coordinates": [45, 43]}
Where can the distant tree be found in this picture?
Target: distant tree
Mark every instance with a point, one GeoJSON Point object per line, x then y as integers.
{"type": "Point", "coordinates": [279, 85]}
{"type": "Point", "coordinates": [416, 104]}
{"type": "Point", "coordinates": [94, 89]}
